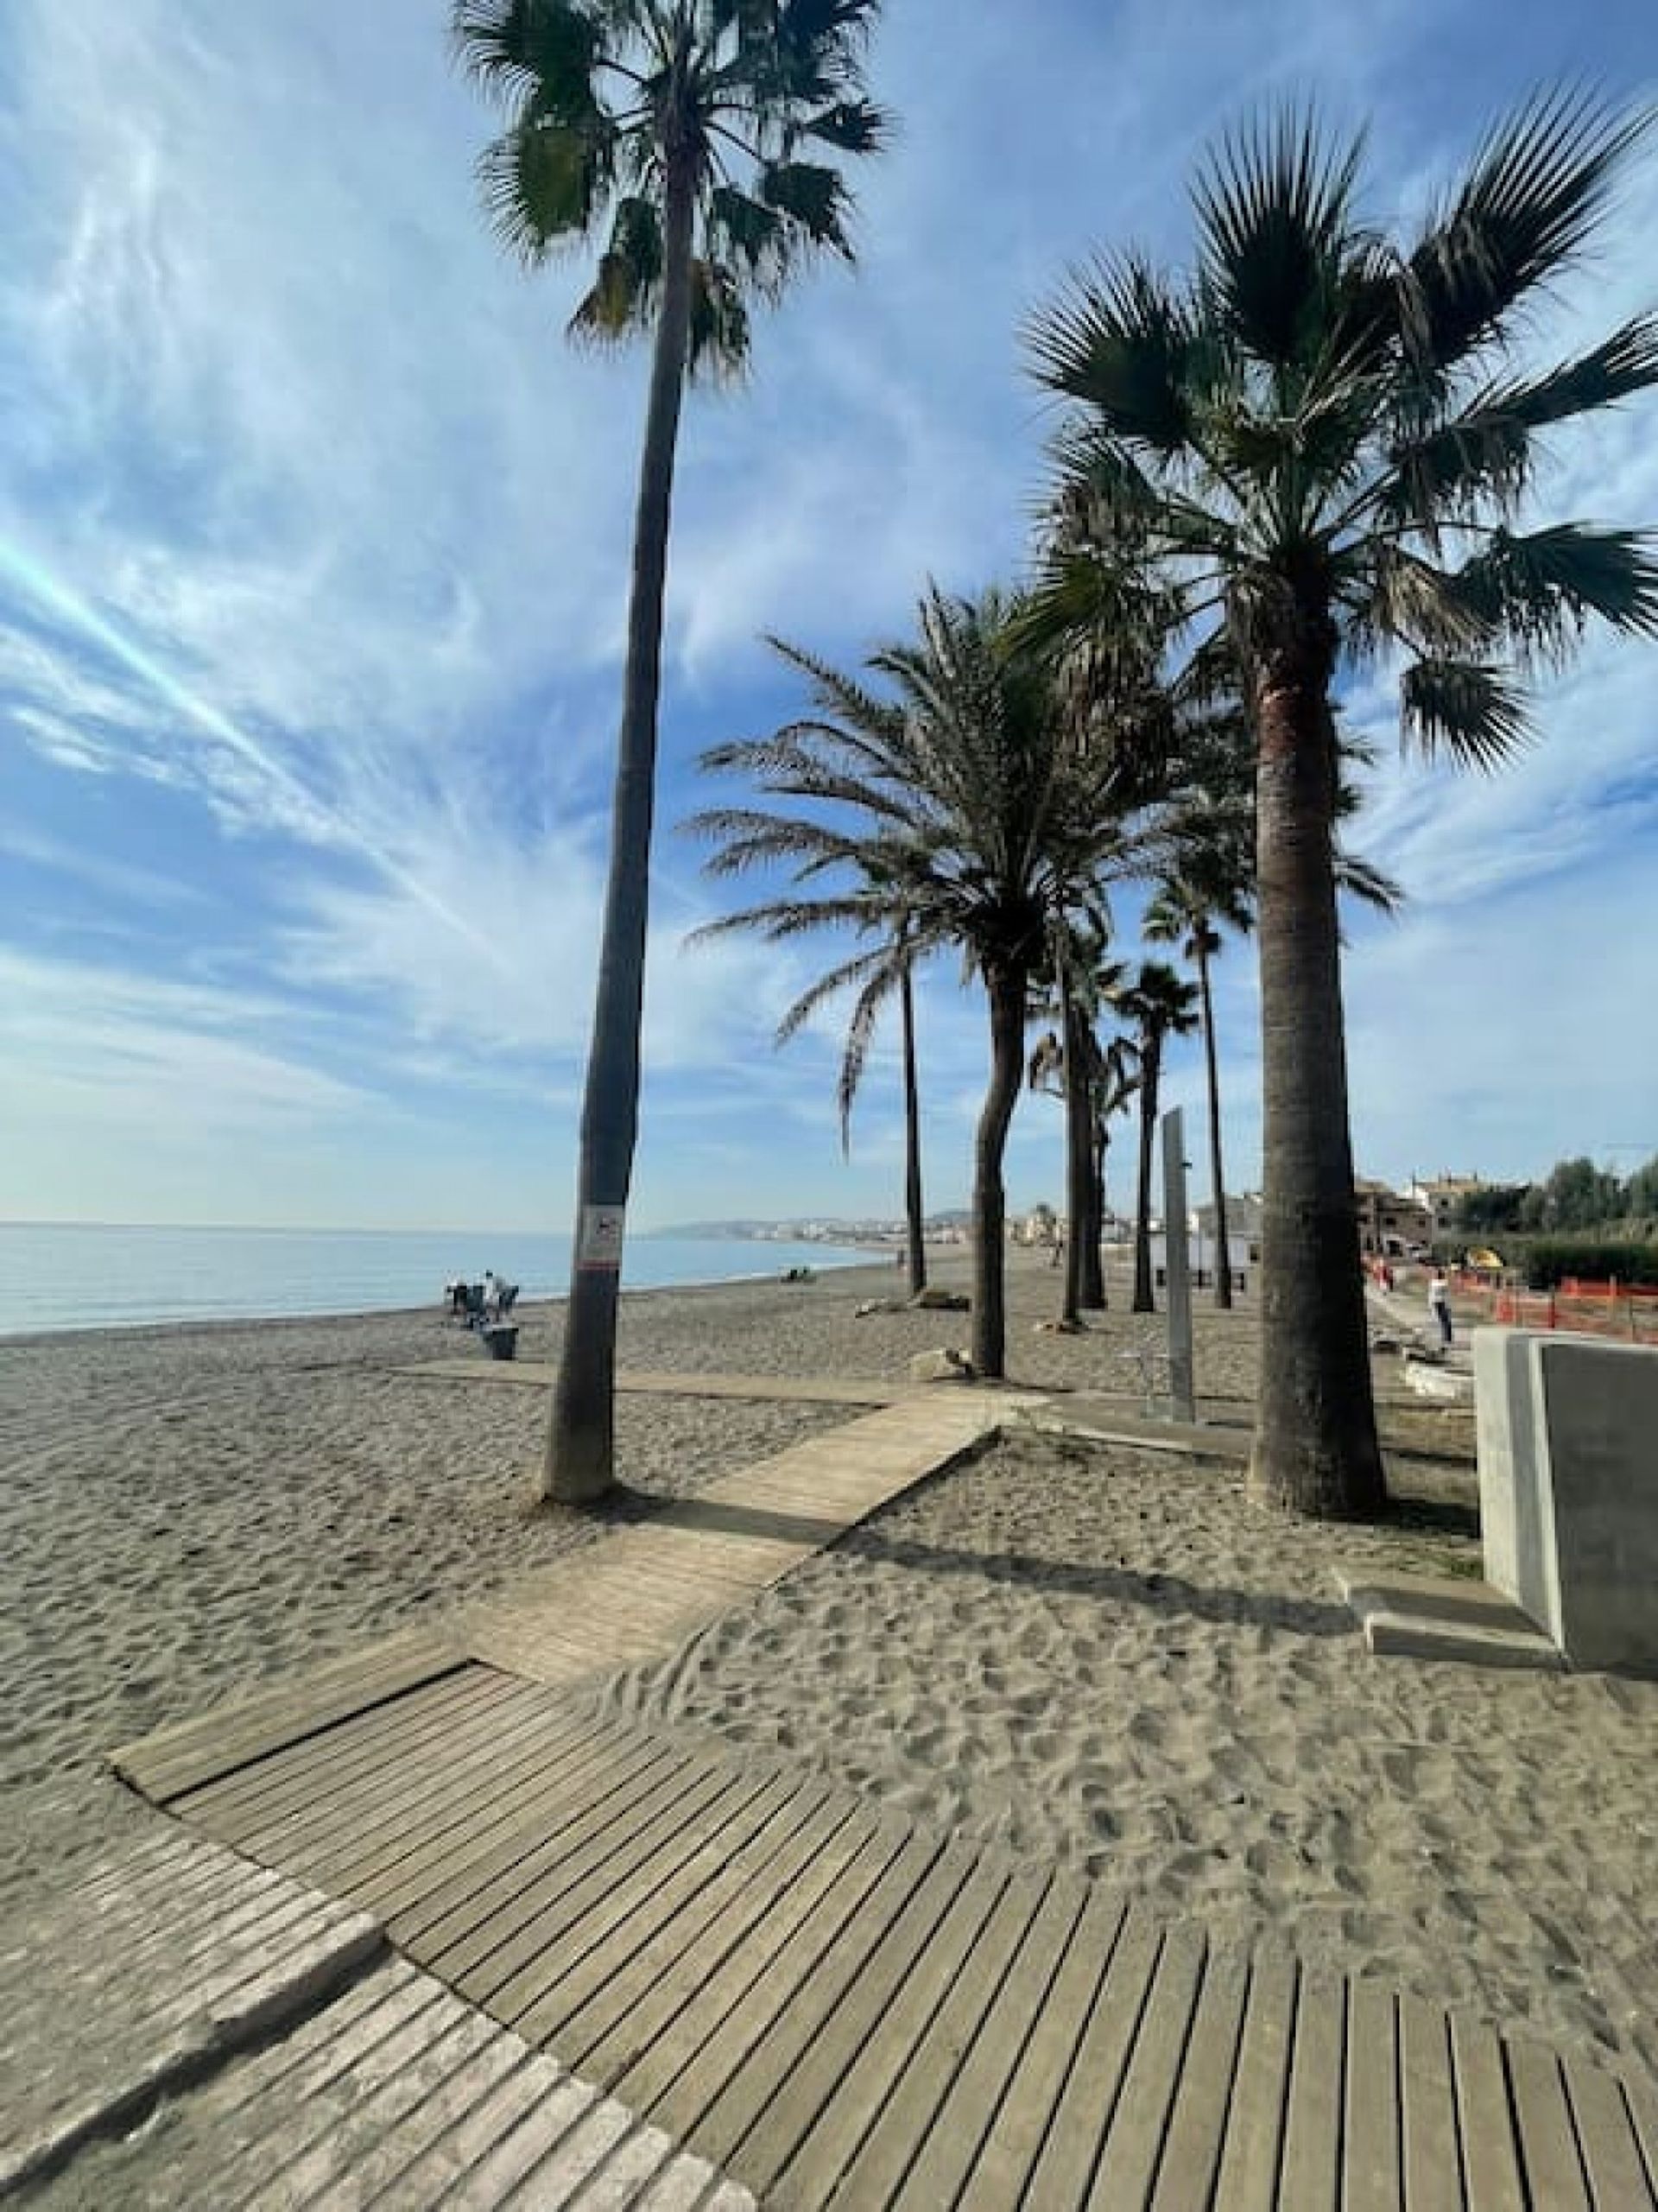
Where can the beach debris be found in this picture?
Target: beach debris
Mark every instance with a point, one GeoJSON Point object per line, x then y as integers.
{"type": "Point", "coordinates": [1059, 1328]}
{"type": "Point", "coordinates": [879, 1306]}
{"type": "Point", "coordinates": [939, 1302]}
{"type": "Point", "coordinates": [1381, 1342]}
{"type": "Point", "coordinates": [946, 1365]}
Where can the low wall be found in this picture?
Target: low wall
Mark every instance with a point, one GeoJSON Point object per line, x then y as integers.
{"type": "Point", "coordinates": [1568, 1489]}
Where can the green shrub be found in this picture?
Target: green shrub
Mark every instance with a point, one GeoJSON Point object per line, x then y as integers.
{"type": "Point", "coordinates": [1551, 1259]}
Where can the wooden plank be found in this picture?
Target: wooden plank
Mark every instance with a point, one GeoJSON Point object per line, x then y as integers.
{"type": "Point", "coordinates": [522, 1915]}
{"type": "Point", "coordinates": [1641, 2095]}
{"type": "Point", "coordinates": [1372, 2166]}
{"type": "Point", "coordinates": [1134, 2147]}
{"type": "Point", "coordinates": [577, 1906]}
{"type": "Point", "coordinates": [1430, 2148]}
{"type": "Point", "coordinates": [436, 1928]}
{"type": "Point", "coordinates": [428, 1911]}
{"type": "Point", "coordinates": [973, 2075]}
{"type": "Point", "coordinates": [1003, 2172]}
{"type": "Point", "coordinates": [822, 2157]}
{"type": "Point", "coordinates": [306, 1809]}
{"type": "Point", "coordinates": [1491, 2158]}
{"type": "Point", "coordinates": [174, 1760]}
{"type": "Point", "coordinates": [904, 2153]}
{"type": "Point", "coordinates": [900, 1971]}
{"type": "Point", "coordinates": [1249, 2163]}
{"type": "Point", "coordinates": [421, 1809]}
{"type": "Point", "coordinates": [289, 1775]}
{"type": "Point", "coordinates": [675, 2080]}
{"type": "Point", "coordinates": [1310, 2174]}
{"type": "Point", "coordinates": [614, 2041]}
{"type": "Point", "coordinates": [1086, 2104]}
{"type": "Point", "coordinates": [747, 1877]}
{"type": "Point", "coordinates": [1197, 2125]}
{"type": "Point", "coordinates": [514, 1819]}
{"type": "Point", "coordinates": [1549, 2144]}
{"type": "Point", "coordinates": [1617, 2176]}
{"type": "Point", "coordinates": [654, 1901]}
{"type": "Point", "coordinates": [730, 2113]}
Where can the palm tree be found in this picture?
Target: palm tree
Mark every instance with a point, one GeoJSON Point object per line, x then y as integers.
{"type": "Point", "coordinates": [958, 796]}
{"type": "Point", "coordinates": [1328, 437]}
{"type": "Point", "coordinates": [877, 974]}
{"type": "Point", "coordinates": [1094, 1082]}
{"type": "Point", "coordinates": [1208, 890]}
{"type": "Point", "coordinates": [1156, 1007]}
{"type": "Point", "coordinates": [674, 129]}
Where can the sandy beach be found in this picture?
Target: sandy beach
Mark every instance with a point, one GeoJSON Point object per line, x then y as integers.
{"type": "Point", "coordinates": [1093, 1653]}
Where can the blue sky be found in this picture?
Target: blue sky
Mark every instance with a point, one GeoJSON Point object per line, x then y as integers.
{"type": "Point", "coordinates": [313, 542]}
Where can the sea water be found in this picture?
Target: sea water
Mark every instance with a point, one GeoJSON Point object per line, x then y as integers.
{"type": "Point", "coordinates": [66, 1275]}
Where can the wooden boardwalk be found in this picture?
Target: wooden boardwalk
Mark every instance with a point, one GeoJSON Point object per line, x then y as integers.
{"type": "Point", "coordinates": [839, 2008]}
{"type": "Point", "coordinates": [688, 1382]}
{"type": "Point", "coordinates": [171, 2085]}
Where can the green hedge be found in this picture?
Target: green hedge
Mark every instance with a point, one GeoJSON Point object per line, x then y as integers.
{"type": "Point", "coordinates": [1551, 1259]}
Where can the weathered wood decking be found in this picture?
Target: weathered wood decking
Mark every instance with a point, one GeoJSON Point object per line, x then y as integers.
{"type": "Point", "coordinates": [836, 2007]}
{"type": "Point", "coordinates": [832, 2007]}
{"type": "Point", "coordinates": [270, 2051]}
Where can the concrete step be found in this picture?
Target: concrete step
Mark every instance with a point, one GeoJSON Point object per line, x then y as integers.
{"type": "Point", "coordinates": [1430, 1617]}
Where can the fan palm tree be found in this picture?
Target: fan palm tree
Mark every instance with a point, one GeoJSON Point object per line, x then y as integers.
{"type": "Point", "coordinates": [1328, 437]}
{"type": "Point", "coordinates": [675, 131]}
{"type": "Point", "coordinates": [1156, 1007]}
{"type": "Point", "coordinates": [957, 795]}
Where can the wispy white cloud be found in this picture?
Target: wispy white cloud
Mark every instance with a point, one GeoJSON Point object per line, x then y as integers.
{"type": "Point", "coordinates": [281, 418]}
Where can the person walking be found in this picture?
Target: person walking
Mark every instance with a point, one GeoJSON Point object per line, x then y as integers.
{"type": "Point", "coordinates": [1439, 1302]}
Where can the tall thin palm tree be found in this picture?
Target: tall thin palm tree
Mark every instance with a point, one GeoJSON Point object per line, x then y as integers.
{"type": "Point", "coordinates": [1093, 1080]}
{"type": "Point", "coordinates": [1330, 439]}
{"type": "Point", "coordinates": [956, 794]}
{"type": "Point", "coordinates": [878, 975]}
{"type": "Point", "coordinates": [676, 130]}
{"type": "Point", "coordinates": [1206, 893]}
{"type": "Point", "coordinates": [1156, 1005]}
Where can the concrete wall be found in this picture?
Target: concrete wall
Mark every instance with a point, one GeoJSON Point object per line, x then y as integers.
{"type": "Point", "coordinates": [1568, 1488]}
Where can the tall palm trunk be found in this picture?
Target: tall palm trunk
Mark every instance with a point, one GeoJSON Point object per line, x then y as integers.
{"type": "Point", "coordinates": [1007, 986]}
{"type": "Point", "coordinates": [1151, 1053]}
{"type": "Point", "coordinates": [1093, 1276]}
{"type": "Point", "coordinates": [1315, 1441]}
{"type": "Point", "coordinates": [1079, 1116]}
{"type": "Point", "coordinates": [581, 1439]}
{"type": "Point", "coordinates": [914, 1217]}
{"type": "Point", "coordinates": [1216, 1172]}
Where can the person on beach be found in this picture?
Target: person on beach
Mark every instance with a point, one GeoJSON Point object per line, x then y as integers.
{"type": "Point", "coordinates": [1439, 1302]}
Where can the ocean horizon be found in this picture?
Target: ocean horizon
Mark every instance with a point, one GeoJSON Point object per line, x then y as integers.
{"type": "Point", "coordinates": [73, 1275]}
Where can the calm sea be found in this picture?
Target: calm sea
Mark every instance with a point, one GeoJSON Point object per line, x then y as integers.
{"type": "Point", "coordinates": [57, 1275]}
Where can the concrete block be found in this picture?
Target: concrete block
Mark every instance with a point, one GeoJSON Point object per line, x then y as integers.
{"type": "Point", "coordinates": [1568, 1488]}
{"type": "Point", "coordinates": [1427, 1616]}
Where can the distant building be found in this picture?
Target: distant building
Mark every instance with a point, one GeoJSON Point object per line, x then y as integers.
{"type": "Point", "coordinates": [1243, 1228]}
{"type": "Point", "coordinates": [1442, 1197]}
{"type": "Point", "coordinates": [1389, 1223]}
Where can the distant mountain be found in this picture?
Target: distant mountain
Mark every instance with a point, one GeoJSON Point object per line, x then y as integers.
{"type": "Point", "coordinates": [817, 1229]}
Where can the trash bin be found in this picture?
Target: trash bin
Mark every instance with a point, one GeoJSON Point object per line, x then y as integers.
{"type": "Point", "coordinates": [502, 1337]}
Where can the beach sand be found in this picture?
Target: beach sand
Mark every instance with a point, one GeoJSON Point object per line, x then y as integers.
{"type": "Point", "coordinates": [1100, 1654]}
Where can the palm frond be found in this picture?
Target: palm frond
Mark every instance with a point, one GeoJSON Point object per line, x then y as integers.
{"type": "Point", "coordinates": [1484, 454]}
{"type": "Point", "coordinates": [1468, 710]}
{"type": "Point", "coordinates": [1275, 222]}
{"type": "Point", "coordinates": [519, 48]}
{"type": "Point", "coordinates": [1539, 591]}
{"type": "Point", "coordinates": [1538, 189]}
{"type": "Point", "coordinates": [1119, 338]}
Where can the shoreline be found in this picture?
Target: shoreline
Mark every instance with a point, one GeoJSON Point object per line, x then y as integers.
{"type": "Point", "coordinates": [547, 1300]}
